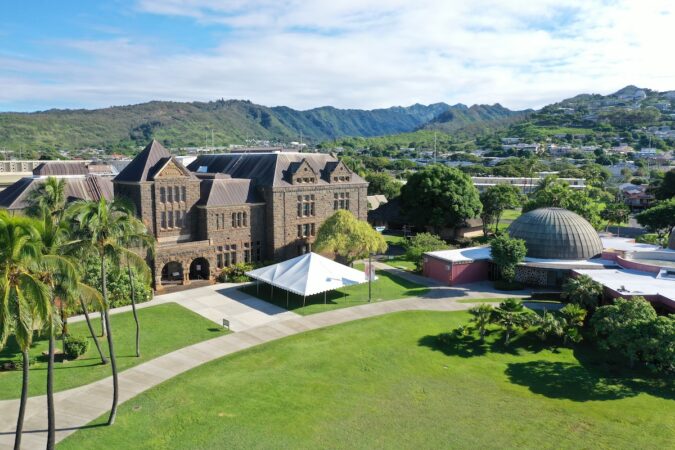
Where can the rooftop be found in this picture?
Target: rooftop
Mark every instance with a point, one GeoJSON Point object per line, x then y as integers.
{"type": "Point", "coordinates": [633, 282]}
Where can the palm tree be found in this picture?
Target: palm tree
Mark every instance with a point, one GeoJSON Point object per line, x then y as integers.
{"type": "Point", "coordinates": [49, 196]}
{"type": "Point", "coordinates": [104, 229]}
{"type": "Point", "coordinates": [510, 315]}
{"type": "Point", "coordinates": [572, 320]}
{"type": "Point", "coordinates": [482, 317]}
{"type": "Point", "coordinates": [549, 325]}
{"type": "Point", "coordinates": [139, 238]}
{"type": "Point", "coordinates": [583, 291]}
{"type": "Point", "coordinates": [25, 299]}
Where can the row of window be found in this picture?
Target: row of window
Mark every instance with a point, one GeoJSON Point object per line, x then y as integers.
{"type": "Point", "coordinates": [173, 219]}
{"type": "Point", "coordinates": [227, 254]}
{"type": "Point", "coordinates": [172, 194]}
{"type": "Point", "coordinates": [239, 219]}
{"type": "Point", "coordinates": [306, 230]}
{"type": "Point", "coordinates": [341, 200]}
{"type": "Point", "coordinates": [306, 205]}
{"type": "Point", "coordinates": [340, 179]}
{"type": "Point", "coordinates": [305, 180]}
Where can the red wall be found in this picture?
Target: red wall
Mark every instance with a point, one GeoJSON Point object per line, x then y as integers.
{"type": "Point", "coordinates": [454, 274]}
{"type": "Point", "coordinates": [437, 269]}
{"type": "Point", "coordinates": [470, 273]}
{"type": "Point", "coordinates": [629, 264]}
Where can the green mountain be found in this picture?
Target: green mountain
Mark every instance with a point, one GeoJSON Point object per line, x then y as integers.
{"type": "Point", "coordinates": [224, 122]}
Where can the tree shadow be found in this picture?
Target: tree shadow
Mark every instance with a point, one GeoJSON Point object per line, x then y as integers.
{"type": "Point", "coordinates": [465, 347]}
{"type": "Point", "coordinates": [579, 383]}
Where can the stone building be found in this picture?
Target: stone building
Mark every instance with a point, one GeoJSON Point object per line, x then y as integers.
{"type": "Point", "coordinates": [237, 207]}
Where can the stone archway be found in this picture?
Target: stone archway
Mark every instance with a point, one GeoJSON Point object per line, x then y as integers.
{"type": "Point", "coordinates": [200, 269]}
{"type": "Point", "coordinates": [172, 273]}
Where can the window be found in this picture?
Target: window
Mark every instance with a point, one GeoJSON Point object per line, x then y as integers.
{"type": "Point", "coordinates": [245, 220]}
{"type": "Point", "coordinates": [170, 214]}
{"type": "Point", "coordinates": [163, 220]}
{"type": "Point", "coordinates": [169, 196]}
{"type": "Point", "coordinates": [234, 220]}
{"type": "Point", "coordinates": [218, 224]}
{"type": "Point", "coordinates": [219, 260]}
{"type": "Point", "coordinates": [239, 219]}
{"type": "Point", "coordinates": [178, 219]}
{"type": "Point", "coordinates": [183, 193]}
{"type": "Point", "coordinates": [341, 200]}
{"type": "Point", "coordinates": [306, 206]}
{"type": "Point", "coordinates": [162, 195]}
{"type": "Point", "coordinates": [176, 193]}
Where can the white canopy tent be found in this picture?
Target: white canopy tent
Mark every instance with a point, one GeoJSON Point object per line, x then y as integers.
{"type": "Point", "coordinates": [308, 274]}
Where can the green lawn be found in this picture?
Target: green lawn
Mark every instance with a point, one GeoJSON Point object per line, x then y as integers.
{"type": "Point", "coordinates": [387, 382]}
{"type": "Point", "coordinates": [400, 262]}
{"type": "Point", "coordinates": [386, 287]}
{"type": "Point", "coordinates": [164, 328]}
{"type": "Point", "coordinates": [394, 240]}
{"type": "Point", "coordinates": [511, 214]}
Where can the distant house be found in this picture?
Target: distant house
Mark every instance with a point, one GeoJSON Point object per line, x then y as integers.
{"type": "Point", "coordinates": [636, 197]}
{"type": "Point", "coordinates": [374, 201]}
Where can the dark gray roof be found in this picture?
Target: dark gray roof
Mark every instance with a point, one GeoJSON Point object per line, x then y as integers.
{"type": "Point", "coordinates": [556, 233]}
{"type": "Point", "coordinates": [61, 168]}
{"type": "Point", "coordinates": [227, 192]}
{"type": "Point", "coordinates": [268, 169]}
{"type": "Point", "coordinates": [90, 187]}
{"type": "Point", "coordinates": [141, 166]}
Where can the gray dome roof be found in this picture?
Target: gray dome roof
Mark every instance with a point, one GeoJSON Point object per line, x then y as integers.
{"type": "Point", "coordinates": [671, 239]}
{"type": "Point", "coordinates": [556, 233]}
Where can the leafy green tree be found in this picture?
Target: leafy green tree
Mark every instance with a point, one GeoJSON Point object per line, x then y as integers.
{"type": "Point", "coordinates": [616, 327]}
{"type": "Point", "coordinates": [665, 189]}
{"type": "Point", "coordinates": [615, 213]}
{"type": "Point", "coordinates": [511, 315]}
{"type": "Point", "coordinates": [482, 316]}
{"type": "Point", "coordinates": [506, 254]}
{"type": "Point", "coordinates": [104, 229]}
{"type": "Point", "coordinates": [495, 199]}
{"type": "Point", "coordinates": [572, 319]}
{"type": "Point", "coordinates": [658, 344]}
{"type": "Point", "coordinates": [384, 184]}
{"type": "Point", "coordinates": [553, 192]}
{"type": "Point", "coordinates": [659, 219]}
{"type": "Point", "coordinates": [582, 290]}
{"type": "Point", "coordinates": [421, 243]}
{"type": "Point", "coordinates": [49, 197]}
{"type": "Point", "coordinates": [25, 300]}
{"type": "Point", "coordinates": [439, 196]}
{"type": "Point", "coordinates": [348, 237]}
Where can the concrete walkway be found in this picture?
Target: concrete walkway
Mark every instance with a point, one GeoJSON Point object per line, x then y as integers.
{"type": "Point", "coordinates": [216, 302]}
{"type": "Point", "coordinates": [77, 407]}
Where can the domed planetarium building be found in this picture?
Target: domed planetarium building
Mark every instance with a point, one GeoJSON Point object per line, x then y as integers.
{"type": "Point", "coordinates": [557, 242]}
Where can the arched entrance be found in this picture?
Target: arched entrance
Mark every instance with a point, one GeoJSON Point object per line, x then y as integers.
{"type": "Point", "coordinates": [199, 269]}
{"type": "Point", "coordinates": [172, 273]}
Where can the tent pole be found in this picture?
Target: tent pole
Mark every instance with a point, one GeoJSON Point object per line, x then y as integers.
{"type": "Point", "coordinates": [286, 299]}
{"type": "Point", "coordinates": [257, 287]}
{"type": "Point", "coordinates": [324, 297]}
{"type": "Point", "coordinates": [272, 292]}
{"type": "Point", "coordinates": [303, 300]}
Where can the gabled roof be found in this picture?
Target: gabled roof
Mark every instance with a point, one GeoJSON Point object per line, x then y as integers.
{"type": "Point", "coordinates": [268, 169]}
{"type": "Point", "coordinates": [89, 187]}
{"type": "Point", "coordinates": [309, 274]}
{"type": "Point", "coordinates": [227, 192]}
{"type": "Point", "coordinates": [140, 167]}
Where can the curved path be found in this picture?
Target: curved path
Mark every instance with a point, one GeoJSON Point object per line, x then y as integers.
{"type": "Point", "coordinates": [77, 407]}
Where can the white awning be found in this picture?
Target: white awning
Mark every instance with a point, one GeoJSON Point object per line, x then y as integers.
{"type": "Point", "coordinates": [309, 274]}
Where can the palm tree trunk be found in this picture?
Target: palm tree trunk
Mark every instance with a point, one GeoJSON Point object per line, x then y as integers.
{"type": "Point", "coordinates": [111, 347]}
{"type": "Point", "coordinates": [24, 399]}
{"type": "Point", "coordinates": [133, 308]}
{"type": "Point", "coordinates": [102, 324]}
{"type": "Point", "coordinates": [51, 423]}
{"type": "Point", "coordinates": [104, 360]}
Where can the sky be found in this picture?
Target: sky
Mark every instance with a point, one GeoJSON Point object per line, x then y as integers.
{"type": "Point", "coordinates": [344, 53]}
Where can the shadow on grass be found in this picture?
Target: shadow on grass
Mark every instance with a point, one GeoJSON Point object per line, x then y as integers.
{"type": "Point", "coordinates": [593, 377]}
{"type": "Point", "coordinates": [580, 383]}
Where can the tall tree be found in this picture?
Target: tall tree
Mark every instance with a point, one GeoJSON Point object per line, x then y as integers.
{"type": "Point", "coordinates": [25, 301]}
{"type": "Point", "coordinates": [439, 196]}
{"type": "Point", "coordinates": [615, 213]}
{"type": "Point", "coordinates": [659, 219]}
{"type": "Point", "coordinates": [416, 246]}
{"type": "Point", "coordinates": [495, 199]}
{"type": "Point", "coordinates": [384, 184]}
{"type": "Point", "coordinates": [348, 237]}
{"type": "Point", "coordinates": [49, 196]}
{"type": "Point", "coordinates": [572, 319]}
{"type": "Point", "coordinates": [104, 228]}
{"type": "Point", "coordinates": [506, 254]}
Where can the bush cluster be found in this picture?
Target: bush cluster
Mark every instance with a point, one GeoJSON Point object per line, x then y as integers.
{"type": "Point", "coordinates": [75, 346]}
{"type": "Point", "coordinates": [235, 273]}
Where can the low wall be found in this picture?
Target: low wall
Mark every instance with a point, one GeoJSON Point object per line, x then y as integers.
{"type": "Point", "coordinates": [631, 264]}
{"type": "Point", "coordinates": [470, 272]}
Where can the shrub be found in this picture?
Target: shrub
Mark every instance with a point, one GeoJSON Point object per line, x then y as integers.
{"type": "Point", "coordinates": [417, 245]}
{"type": "Point", "coordinates": [506, 254]}
{"type": "Point", "coordinates": [75, 346]}
{"type": "Point", "coordinates": [235, 273]}
{"type": "Point", "coordinates": [119, 288]}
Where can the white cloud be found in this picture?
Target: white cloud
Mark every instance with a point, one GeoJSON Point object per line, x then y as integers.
{"type": "Point", "coordinates": [368, 53]}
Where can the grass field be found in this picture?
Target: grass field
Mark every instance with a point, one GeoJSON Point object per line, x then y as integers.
{"type": "Point", "coordinates": [386, 287]}
{"type": "Point", "coordinates": [164, 328]}
{"type": "Point", "coordinates": [387, 382]}
{"type": "Point", "coordinates": [393, 239]}
{"type": "Point", "coordinates": [400, 262]}
{"type": "Point", "coordinates": [511, 214]}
